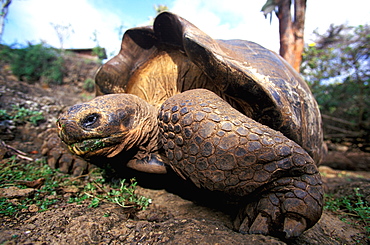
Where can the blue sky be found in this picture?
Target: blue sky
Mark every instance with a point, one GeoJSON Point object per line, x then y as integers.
{"type": "Point", "coordinates": [29, 20]}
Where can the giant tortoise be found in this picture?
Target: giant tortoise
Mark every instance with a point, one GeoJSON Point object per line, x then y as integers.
{"type": "Point", "coordinates": [229, 116]}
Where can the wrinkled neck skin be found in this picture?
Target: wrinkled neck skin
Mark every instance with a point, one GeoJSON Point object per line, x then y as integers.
{"type": "Point", "coordinates": [146, 135]}
{"type": "Point", "coordinates": [141, 134]}
{"type": "Point", "coordinates": [145, 138]}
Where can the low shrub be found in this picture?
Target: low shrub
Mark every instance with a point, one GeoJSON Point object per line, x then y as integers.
{"type": "Point", "coordinates": [35, 62]}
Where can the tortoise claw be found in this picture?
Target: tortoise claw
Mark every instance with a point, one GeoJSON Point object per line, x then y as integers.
{"type": "Point", "coordinates": [293, 227]}
{"type": "Point", "coordinates": [58, 157]}
{"type": "Point", "coordinates": [260, 225]}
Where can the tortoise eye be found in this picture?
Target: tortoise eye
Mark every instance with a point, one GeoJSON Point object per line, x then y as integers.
{"type": "Point", "coordinates": [90, 120]}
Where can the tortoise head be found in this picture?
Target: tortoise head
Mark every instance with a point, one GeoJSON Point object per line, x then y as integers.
{"type": "Point", "coordinates": [105, 125]}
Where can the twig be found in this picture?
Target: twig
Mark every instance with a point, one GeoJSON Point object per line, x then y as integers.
{"type": "Point", "coordinates": [77, 177]}
{"type": "Point", "coordinates": [25, 158]}
{"type": "Point", "coordinates": [99, 186]}
{"type": "Point", "coordinates": [82, 176]}
{"type": "Point", "coordinates": [338, 120]}
{"type": "Point", "coordinates": [19, 153]}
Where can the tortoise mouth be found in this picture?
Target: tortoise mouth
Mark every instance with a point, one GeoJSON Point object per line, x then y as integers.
{"type": "Point", "coordinates": [89, 145]}
{"type": "Point", "coordinates": [92, 146]}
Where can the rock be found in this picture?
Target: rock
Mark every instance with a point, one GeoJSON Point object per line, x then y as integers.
{"type": "Point", "coordinates": [33, 208]}
{"type": "Point", "coordinates": [71, 189]}
{"type": "Point", "coordinates": [330, 230]}
{"type": "Point", "coordinates": [3, 150]}
{"type": "Point", "coordinates": [15, 192]}
{"type": "Point", "coordinates": [7, 129]}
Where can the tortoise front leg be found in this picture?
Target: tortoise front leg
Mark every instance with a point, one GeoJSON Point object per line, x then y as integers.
{"type": "Point", "coordinates": [220, 149]}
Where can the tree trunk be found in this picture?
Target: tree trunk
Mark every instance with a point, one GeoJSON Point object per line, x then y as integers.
{"type": "Point", "coordinates": [292, 31]}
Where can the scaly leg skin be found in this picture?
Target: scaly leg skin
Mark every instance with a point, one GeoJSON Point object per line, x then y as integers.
{"type": "Point", "coordinates": [220, 149]}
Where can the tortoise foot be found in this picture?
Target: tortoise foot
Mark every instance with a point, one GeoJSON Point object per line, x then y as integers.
{"type": "Point", "coordinates": [292, 226]}
{"type": "Point", "coordinates": [58, 157]}
{"type": "Point", "coordinates": [286, 210]}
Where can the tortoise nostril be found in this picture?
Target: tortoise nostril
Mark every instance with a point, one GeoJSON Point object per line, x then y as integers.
{"type": "Point", "coordinates": [60, 123]}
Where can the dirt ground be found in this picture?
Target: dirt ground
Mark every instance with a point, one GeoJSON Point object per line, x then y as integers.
{"type": "Point", "coordinates": [179, 214]}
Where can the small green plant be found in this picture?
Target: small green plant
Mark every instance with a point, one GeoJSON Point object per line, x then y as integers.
{"type": "Point", "coordinates": [79, 199]}
{"type": "Point", "coordinates": [13, 173]}
{"type": "Point", "coordinates": [87, 97]}
{"type": "Point", "coordinates": [124, 195]}
{"type": "Point", "coordinates": [350, 207]}
{"type": "Point", "coordinates": [4, 115]}
{"type": "Point", "coordinates": [100, 52]}
{"type": "Point", "coordinates": [89, 85]}
{"type": "Point", "coordinates": [21, 115]}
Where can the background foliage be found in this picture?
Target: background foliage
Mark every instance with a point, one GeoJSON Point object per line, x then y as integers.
{"type": "Point", "coordinates": [34, 63]}
{"type": "Point", "coordinates": [337, 68]}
